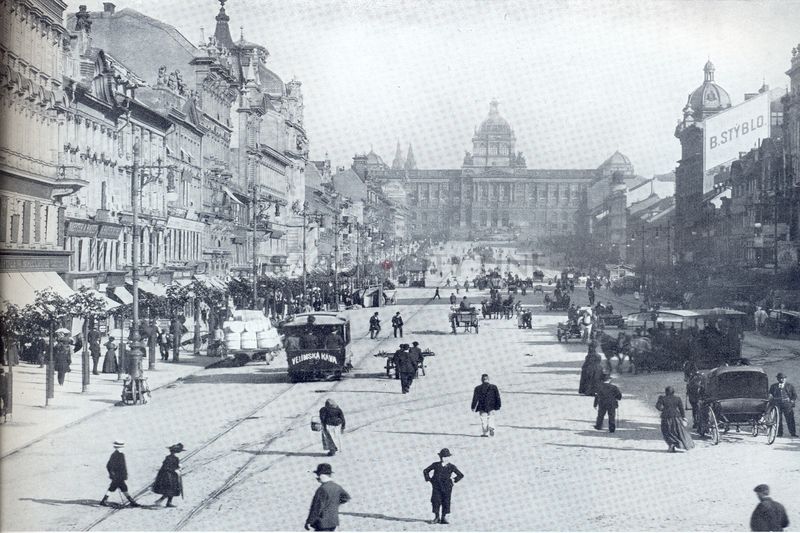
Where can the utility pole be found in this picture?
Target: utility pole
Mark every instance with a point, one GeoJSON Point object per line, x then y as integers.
{"type": "Point", "coordinates": [136, 347]}
{"type": "Point", "coordinates": [254, 208]}
{"type": "Point", "coordinates": [304, 257]}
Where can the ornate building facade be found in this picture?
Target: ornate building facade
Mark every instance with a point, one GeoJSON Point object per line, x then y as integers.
{"type": "Point", "coordinates": [494, 194]}
{"type": "Point", "coordinates": [34, 181]}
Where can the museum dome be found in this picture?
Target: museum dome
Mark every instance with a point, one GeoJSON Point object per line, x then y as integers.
{"type": "Point", "coordinates": [494, 123]}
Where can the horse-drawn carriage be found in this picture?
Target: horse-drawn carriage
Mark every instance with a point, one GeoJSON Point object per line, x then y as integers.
{"type": "Point", "coordinates": [607, 318]}
{"type": "Point", "coordinates": [561, 303]}
{"type": "Point", "coordinates": [667, 339]}
{"type": "Point", "coordinates": [737, 397]}
{"type": "Point", "coordinates": [312, 352]}
{"type": "Point", "coordinates": [466, 320]}
{"type": "Point", "coordinates": [571, 329]}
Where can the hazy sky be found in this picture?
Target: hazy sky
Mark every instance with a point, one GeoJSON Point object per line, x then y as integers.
{"type": "Point", "coordinates": [576, 80]}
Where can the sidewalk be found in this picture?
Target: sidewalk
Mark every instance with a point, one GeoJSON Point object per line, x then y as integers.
{"type": "Point", "coordinates": [31, 420]}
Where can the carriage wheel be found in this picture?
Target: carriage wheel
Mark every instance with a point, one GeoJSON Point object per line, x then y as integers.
{"type": "Point", "coordinates": [713, 427]}
{"type": "Point", "coordinates": [771, 421]}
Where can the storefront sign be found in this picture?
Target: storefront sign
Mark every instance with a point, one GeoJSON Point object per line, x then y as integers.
{"type": "Point", "coordinates": [187, 225]}
{"type": "Point", "coordinates": [109, 231]}
{"type": "Point", "coordinates": [81, 229]}
{"type": "Point", "coordinates": [30, 261]}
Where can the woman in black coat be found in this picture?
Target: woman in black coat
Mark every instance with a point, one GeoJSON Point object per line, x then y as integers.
{"type": "Point", "coordinates": [168, 481]}
{"type": "Point", "coordinates": [673, 420]}
{"type": "Point", "coordinates": [63, 358]}
{"type": "Point", "coordinates": [591, 372]}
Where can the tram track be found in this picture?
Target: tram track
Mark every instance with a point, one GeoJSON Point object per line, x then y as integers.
{"type": "Point", "coordinates": [231, 480]}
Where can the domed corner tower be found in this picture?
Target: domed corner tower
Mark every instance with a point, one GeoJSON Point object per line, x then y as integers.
{"type": "Point", "coordinates": [705, 101]}
{"type": "Point", "coordinates": [494, 141]}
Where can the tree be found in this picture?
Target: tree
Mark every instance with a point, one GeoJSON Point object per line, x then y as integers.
{"type": "Point", "coordinates": [49, 311]}
{"type": "Point", "coordinates": [88, 306]}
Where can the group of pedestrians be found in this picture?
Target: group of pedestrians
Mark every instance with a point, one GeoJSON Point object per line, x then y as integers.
{"type": "Point", "coordinates": [375, 325]}
{"type": "Point", "coordinates": [168, 483]}
{"type": "Point", "coordinates": [442, 474]}
{"type": "Point", "coordinates": [407, 361]}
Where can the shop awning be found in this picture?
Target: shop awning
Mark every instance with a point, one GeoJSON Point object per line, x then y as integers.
{"type": "Point", "coordinates": [109, 303]}
{"type": "Point", "coordinates": [156, 289]}
{"type": "Point", "coordinates": [231, 195]}
{"type": "Point", "coordinates": [211, 281]}
{"type": "Point", "coordinates": [124, 296]}
{"type": "Point", "coordinates": [19, 288]}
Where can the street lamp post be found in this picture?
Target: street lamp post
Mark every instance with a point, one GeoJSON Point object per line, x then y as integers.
{"type": "Point", "coordinates": [136, 349]}
{"type": "Point", "coordinates": [260, 212]}
{"type": "Point", "coordinates": [315, 217]}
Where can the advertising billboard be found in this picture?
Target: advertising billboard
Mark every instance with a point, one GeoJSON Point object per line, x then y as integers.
{"type": "Point", "coordinates": [735, 130]}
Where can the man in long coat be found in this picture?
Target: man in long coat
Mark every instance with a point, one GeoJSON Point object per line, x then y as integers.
{"type": "Point", "coordinates": [323, 515]}
{"type": "Point", "coordinates": [485, 401]}
{"type": "Point", "coordinates": [406, 365]}
{"type": "Point", "coordinates": [118, 472]}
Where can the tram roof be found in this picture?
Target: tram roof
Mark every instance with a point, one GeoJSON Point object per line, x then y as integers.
{"type": "Point", "coordinates": [320, 319]}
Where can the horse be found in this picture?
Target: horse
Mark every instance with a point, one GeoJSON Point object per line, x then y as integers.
{"type": "Point", "coordinates": [639, 351]}
{"type": "Point", "coordinates": [613, 347]}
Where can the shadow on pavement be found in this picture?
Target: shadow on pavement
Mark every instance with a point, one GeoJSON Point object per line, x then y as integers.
{"type": "Point", "coordinates": [540, 393]}
{"type": "Point", "coordinates": [88, 503]}
{"type": "Point", "coordinates": [558, 364]}
{"type": "Point", "coordinates": [252, 378]}
{"type": "Point", "coordinates": [287, 454]}
{"type": "Point", "coordinates": [614, 448]}
{"type": "Point", "coordinates": [371, 391]}
{"type": "Point", "coordinates": [431, 433]}
{"type": "Point", "coordinates": [371, 375]}
{"type": "Point", "coordinates": [431, 332]}
{"type": "Point", "coordinates": [536, 428]}
{"type": "Point", "coordinates": [562, 372]}
{"type": "Point", "coordinates": [383, 517]}
{"type": "Point", "coordinates": [114, 402]}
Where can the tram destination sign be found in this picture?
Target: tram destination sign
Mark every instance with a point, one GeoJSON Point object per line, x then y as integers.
{"type": "Point", "coordinates": [735, 130]}
{"type": "Point", "coordinates": [313, 356]}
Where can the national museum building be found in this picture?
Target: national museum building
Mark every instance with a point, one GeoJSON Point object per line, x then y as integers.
{"type": "Point", "coordinates": [494, 193]}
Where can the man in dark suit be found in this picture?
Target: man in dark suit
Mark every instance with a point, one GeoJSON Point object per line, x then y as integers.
{"type": "Point", "coordinates": [416, 353]}
{"type": "Point", "coordinates": [769, 515]}
{"type": "Point", "coordinates": [118, 472]}
{"type": "Point", "coordinates": [397, 324]}
{"type": "Point", "coordinates": [485, 401]}
{"type": "Point", "coordinates": [606, 400]}
{"type": "Point", "coordinates": [406, 365]}
{"type": "Point", "coordinates": [784, 397]}
{"type": "Point", "coordinates": [324, 512]}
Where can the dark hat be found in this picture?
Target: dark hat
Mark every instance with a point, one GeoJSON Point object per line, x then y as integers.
{"type": "Point", "coordinates": [404, 346]}
{"type": "Point", "coordinates": [780, 375]}
{"type": "Point", "coordinates": [176, 448]}
{"type": "Point", "coordinates": [323, 468]}
{"type": "Point", "coordinates": [415, 343]}
{"type": "Point", "coordinates": [763, 489]}
{"type": "Point", "coordinates": [444, 452]}
{"type": "Point", "coordinates": [119, 444]}
{"type": "Point", "coordinates": [606, 376]}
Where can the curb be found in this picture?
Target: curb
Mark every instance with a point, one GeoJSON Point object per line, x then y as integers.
{"type": "Point", "coordinates": [86, 417]}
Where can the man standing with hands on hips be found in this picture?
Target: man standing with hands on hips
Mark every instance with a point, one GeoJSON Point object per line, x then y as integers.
{"type": "Point", "coordinates": [486, 400]}
{"type": "Point", "coordinates": [784, 397]}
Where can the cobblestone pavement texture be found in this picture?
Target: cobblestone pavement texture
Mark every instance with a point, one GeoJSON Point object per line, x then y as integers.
{"type": "Point", "coordinates": [250, 450]}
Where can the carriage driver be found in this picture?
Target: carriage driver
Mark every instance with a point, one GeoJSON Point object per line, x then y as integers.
{"type": "Point", "coordinates": [464, 305]}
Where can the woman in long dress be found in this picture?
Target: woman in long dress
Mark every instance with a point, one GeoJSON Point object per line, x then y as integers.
{"type": "Point", "coordinates": [333, 423]}
{"type": "Point", "coordinates": [168, 481]}
{"type": "Point", "coordinates": [673, 421]}
{"type": "Point", "coordinates": [110, 360]}
{"type": "Point", "coordinates": [591, 372]}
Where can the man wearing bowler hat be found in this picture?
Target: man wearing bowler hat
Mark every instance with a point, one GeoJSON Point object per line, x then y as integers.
{"type": "Point", "coordinates": [769, 515]}
{"type": "Point", "coordinates": [118, 472]}
{"type": "Point", "coordinates": [324, 512]}
{"type": "Point", "coordinates": [784, 397]}
{"type": "Point", "coordinates": [440, 476]}
{"type": "Point", "coordinates": [406, 367]}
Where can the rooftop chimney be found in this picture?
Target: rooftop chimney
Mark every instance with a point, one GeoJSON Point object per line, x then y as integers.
{"type": "Point", "coordinates": [108, 8]}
